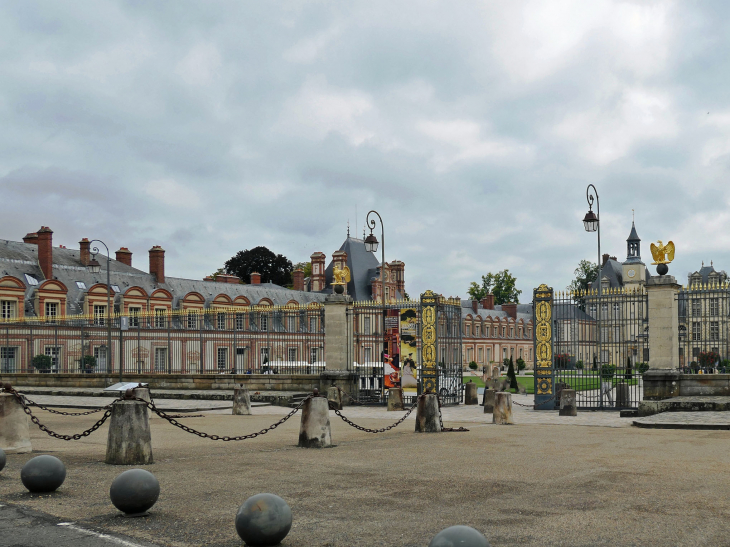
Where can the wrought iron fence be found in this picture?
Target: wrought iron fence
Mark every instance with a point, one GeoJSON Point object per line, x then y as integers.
{"type": "Point", "coordinates": [256, 340]}
{"type": "Point", "coordinates": [371, 329]}
{"type": "Point", "coordinates": [600, 346]}
{"type": "Point", "coordinates": [703, 328]}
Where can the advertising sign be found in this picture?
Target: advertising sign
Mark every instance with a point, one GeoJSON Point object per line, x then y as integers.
{"type": "Point", "coordinates": [409, 350]}
{"type": "Point", "coordinates": [391, 357]}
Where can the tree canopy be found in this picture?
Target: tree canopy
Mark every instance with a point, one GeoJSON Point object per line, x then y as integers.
{"type": "Point", "coordinates": [585, 274]}
{"type": "Point", "coordinates": [272, 267]}
{"type": "Point", "coordinates": [501, 285]}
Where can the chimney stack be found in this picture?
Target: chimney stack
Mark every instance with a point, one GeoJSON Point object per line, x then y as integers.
{"type": "Point", "coordinates": [85, 253]}
{"type": "Point", "coordinates": [255, 278]}
{"type": "Point", "coordinates": [605, 259]}
{"type": "Point", "coordinates": [31, 238]}
{"type": "Point", "coordinates": [45, 251]}
{"type": "Point", "coordinates": [488, 302]}
{"type": "Point", "coordinates": [124, 256]}
{"type": "Point", "coordinates": [511, 310]}
{"type": "Point", "coordinates": [475, 306]}
{"type": "Point", "coordinates": [157, 263]}
{"type": "Point", "coordinates": [298, 279]}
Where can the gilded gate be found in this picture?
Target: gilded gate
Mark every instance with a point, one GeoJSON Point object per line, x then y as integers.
{"type": "Point", "coordinates": [544, 373]}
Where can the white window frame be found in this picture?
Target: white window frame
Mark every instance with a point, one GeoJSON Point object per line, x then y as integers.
{"type": "Point", "coordinates": [160, 363]}
{"type": "Point", "coordinates": [134, 313]}
{"type": "Point", "coordinates": [220, 321]}
{"type": "Point", "coordinates": [100, 354]}
{"type": "Point", "coordinates": [8, 355]}
{"type": "Point", "coordinates": [264, 322]}
{"type": "Point", "coordinates": [51, 309]}
{"type": "Point", "coordinates": [292, 353]}
{"type": "Point", "coordinates": [7, 309]}
{"type": "Point", "coordinates": [222, 358]}
{"type": "Point", "coordinates": [54, 352]}
{"type": "Point", "coordinates": [367, 355]}
{"type": "Point", "coordinates": [160, 319]}
{"type": "Point", "coordinates": [240, 321]}
{"type": "Point", "coordinates": [100, 314]}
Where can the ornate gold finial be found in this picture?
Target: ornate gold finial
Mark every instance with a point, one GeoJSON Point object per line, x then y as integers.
{"type": "Point", "coordinates": [341, 276]}
{"type": "Point", "coordinates": [663, 254]}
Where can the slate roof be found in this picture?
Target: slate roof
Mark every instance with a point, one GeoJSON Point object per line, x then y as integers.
{"type": "Point", "coordinates": [705, 272]}
{"type": "Point", "coordinates": [613, 270]}
{"type": "Point", "coordinates": [364, 266]}
{"type": "Point", "coordinates": [18, 259]}
{"type": "Point", "coordinates": [524, 311]}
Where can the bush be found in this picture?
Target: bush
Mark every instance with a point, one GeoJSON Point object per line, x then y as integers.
{"type": "Point", "coordinates": [88, 361]}
{"type": "Point", "coordinates": [521, 365]}
{"type": "Point", "coordinates": [511, 375]}
{"type": "Point", "coordinates": [562, 360]}
{"type": "Point", "coordinates": [642, 367]}
{"type": "Point", "coordinates": [595, 363]}
{"type": "Point", "coordinates": [608, 372]}
{"type": "Point", "coordinates": [473, 365]}
{"type": "Point", "coordinates": [629, 374]}
{"type": "Point", "coordinates": [41, 362]}
{"type": "Point", "coordinates": [709, 358]}
{"type": "Point", "coordinates": [579, 364]}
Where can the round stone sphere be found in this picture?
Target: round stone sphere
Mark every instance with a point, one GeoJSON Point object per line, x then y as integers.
{"type": "Point", "coordinates": [3, 459]}
{"type": "Point", "coordinates": [662, 269]}
{"type": "Point", "coordinates": [459, 536]}
{"type": "Point", "coordinates": [43, 474]}
{"type": "Point", "coordinates": [339, 289]}
{"type": "Point", "coordinates": [263, 519]}
{"type": "Point", "coordinates": [134, 491]}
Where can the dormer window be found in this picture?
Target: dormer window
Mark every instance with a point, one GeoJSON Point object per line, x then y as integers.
{"type": "Point", "coordinates": [115, 288]}
{"type": "Point", "coordinates": [31, 280]}
{"type": "Point", "coordinates": [81, 285]}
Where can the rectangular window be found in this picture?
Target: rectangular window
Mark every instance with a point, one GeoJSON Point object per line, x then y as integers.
{"type": "Point", "coordinates": [593, 310]}
{"type": "Point", "coordinates": [100, 355]}
{"type": "Point", "coordinates": [221, 321]}
{"type": "Point", "coordinates": [313, 355]}
{"type": "Point", "coordinates": [312, 324]}
{"type": "Point", "coordinates": [239, 321]}
{"type": "Point", "coordinates": [714, 306]}
{"type": "Point", "coordinates": [7, 359]}
{"type": "Point", "coordinates": [54, 352]}
{"type": "Point", "coordinates": [160, 359]}
{"type": "Point", "coordinates": [264, 356]}
{"type": "Point", "coordinates": [477, 330]}
{"type": "Point", "coordinates": [52, 309]}
{"type": "Point", "coordinates": [511, 332]}
{"type": "Point", "coordinates": [696, 307]}
{"type": "Point", "coordinates": [134, 316]}
{"type": "Point", "coordinates": [99, 315]}
{"type": "Point", "coordinates": [489, 355]}
{"type": "Point", "coordinates": [292, 354]}
{"type": "Point", "coordinates": [504, 332]}
{"type": "Point", "coordinates": [714, 330]}
{"type": "Point", "coordinates": [368, 355]}
{"type": "Point", "coordinates": [605, 356]}
{"type": "Point", "coordinates": [222, 358]}
{"type": "Point", "coordinates": [696, 331]}
{"type": "Point", "coordinates": [366, 325]}
{"type": "Point", "coordinates": [264, 323]}
{"type": "Point", "coordinates": [160, 318]}
{"type": "Point", "coordinates": [480, 355]}
{"type": "Point", "coordinates": [291, 323]}
{"type": "Point", "coordinates": [7, 309]}
{"type": "Point", "coordinates": [616, 334]}
{"type": "Point", "coordinates": [192, 320]}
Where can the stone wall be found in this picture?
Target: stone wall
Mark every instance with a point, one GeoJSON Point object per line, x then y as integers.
{"type": "Point", "coordinates": [659, 384]}
{"type": "Point", "coordinates": [254, 382]}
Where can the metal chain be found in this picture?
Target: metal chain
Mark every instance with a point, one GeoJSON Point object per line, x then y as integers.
{"type": "Point", "coordinates": [203, 435]}
{"type": "Point", "coordinates": [43, 428]}
{"type": "Point", "coordinates": [381, 430]}
{"type": "Point", "coordinates": [63, 413]}
{"type": "Point", "coordinates": [343, 392]}
{"type": "Point", "coordinates": [541, 402]}
{"type": "Point", "coordinates": [441, 421]}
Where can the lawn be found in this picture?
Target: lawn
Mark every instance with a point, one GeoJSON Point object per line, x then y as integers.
{"type": "Point", "coordinates": [586, 382]}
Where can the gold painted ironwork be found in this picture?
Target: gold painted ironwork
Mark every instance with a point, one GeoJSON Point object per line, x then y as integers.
{"type": "Point", "coordinates": [429, 374]}
{"type": "Point", "coordinates": [663, 254]}
{"type": "Point", "coordinates": [543, 298]}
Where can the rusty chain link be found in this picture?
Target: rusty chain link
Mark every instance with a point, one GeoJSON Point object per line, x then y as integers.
{"type": "Point", "coordinates": [64, 413]}
{"type": "Point", "coordinates": [368, 430]}
{"type": "Point", "coordinates": [36, 421]}
{"type": "Point", "coordinates": [441, 420]}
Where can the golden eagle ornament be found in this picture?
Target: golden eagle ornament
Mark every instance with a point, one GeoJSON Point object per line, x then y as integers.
{"type": "Point", "coordinates": [663, 254]}
{"type": "Point", "coordinates": [342, 276]}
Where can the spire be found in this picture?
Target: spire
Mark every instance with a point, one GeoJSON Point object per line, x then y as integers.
{"type": "Point", "coordinates": [348, 228]}
{"type": "Point", "coordinates": [633, 244]}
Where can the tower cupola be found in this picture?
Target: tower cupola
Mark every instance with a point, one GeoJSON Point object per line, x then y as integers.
{"type": "Point", "coordinates": [633, 246]}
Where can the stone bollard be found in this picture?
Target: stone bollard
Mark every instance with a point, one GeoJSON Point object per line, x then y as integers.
{"type": "Point", "coordinates": [427, 414]}
{"type": "Point", "coordinates": [623, 398]}
{"type": "Point", "coordinates": [241, 401]}
{"type": "Point", "coordinates": [495, 372]}
{"type": "Point", "coordinates": [142, 393]}
{"type": "Point", "coordinates": [334, 396]}
{"type": "Point", "coordinates": [395, 399]}
{"type": "Point", "coordinates": [472, 395]}
{"type": "Point", "coordinates": [14, 434]}
{"type": "Point", "coordinates": [129, 441]}
{"type": "Point", "coordinates": [315, 430]}
{"type": "Point", "coordinates": [488, 401]}
{"type": "Point", "coordinates": [567, 403]}
{"type": "Point", "coordinates": [502, 413]}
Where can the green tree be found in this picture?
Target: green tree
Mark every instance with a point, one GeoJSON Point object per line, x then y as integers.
{"type": "Point", "coordinates": [512, 376]}
{"type": "Point", "coordinates": [306, 267]}
{"type": "Point", "coordinates": [501, 285]}
{"type": "Point", "coordinates": [272, 267]}
{"type": "Point", "coordinates": [585, 274]}
{"type": "Point", "coordinates": [41, 362]}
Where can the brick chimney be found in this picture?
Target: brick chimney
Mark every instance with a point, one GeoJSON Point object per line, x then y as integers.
{"type": "Point", "coordinates": [298, 279]}
{"type": "Point", "coordinates": [31, 238]}
{"type": "Point", "coordinates": [605, 259]}
{"type": "Point", "coordinates": [85, 251]}
{"type": "Point", "coordinates": [157, 263]}
{"type": "Point", "coordinates": [124, 256]}
{"type": "Point", "coordinates": [511, 310]}
{"type": "Point", "coordinates": [255, 278]}
{"type": "Point", "coordinates": [475, 306]}
{"type": "Point", "coordinates": [317, 281]}
{"type": "Point", "coordinates": [488, 302]}
{"type": "Point", "coordinates": [45, 251]}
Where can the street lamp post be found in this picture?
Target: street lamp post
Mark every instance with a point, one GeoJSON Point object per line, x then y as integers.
{"type": "Point", "coordinates": [371, 246]}
{"type": "Point", "coordinates": [592, 223]}
{"type": "Point", "coordinates": [95, 267]}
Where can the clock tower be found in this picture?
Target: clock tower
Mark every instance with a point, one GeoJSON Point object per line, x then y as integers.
{"type": "Point", "coordinates": [634, 270]}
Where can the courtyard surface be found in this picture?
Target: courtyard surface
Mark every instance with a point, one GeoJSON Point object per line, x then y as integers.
{"type": "Point", "coordinates": [591, 480]}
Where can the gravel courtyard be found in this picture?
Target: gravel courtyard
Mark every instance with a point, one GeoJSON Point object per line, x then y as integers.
{"type": "Point", "coordinates": [532, 484]}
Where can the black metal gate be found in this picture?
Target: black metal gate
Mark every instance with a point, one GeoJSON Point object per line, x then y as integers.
{"type": "Point", "coordinates": [600, 347]}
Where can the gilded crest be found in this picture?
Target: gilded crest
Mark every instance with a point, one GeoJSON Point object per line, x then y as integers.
{"type": "Point", "coordinates": [341, 275]}
{"type": "Point", "coordinates": [663, 254]}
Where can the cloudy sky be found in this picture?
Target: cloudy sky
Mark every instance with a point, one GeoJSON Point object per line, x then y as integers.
{"type": "Point", "coordinates": [472, 127]}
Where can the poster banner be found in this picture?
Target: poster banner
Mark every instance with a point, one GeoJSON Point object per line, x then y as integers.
{"type": "Point", "coordinates": [409, 350]}
{"type": "Point", "coordinates": [391, 357]}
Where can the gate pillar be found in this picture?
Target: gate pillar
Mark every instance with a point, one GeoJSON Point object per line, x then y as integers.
{"type": "Point", "coordinates": [543, 350]}
{"type": "Point", "coordinates": [429, 326]}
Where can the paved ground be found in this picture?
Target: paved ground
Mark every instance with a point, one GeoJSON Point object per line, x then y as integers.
{"type": "Point", "coordinates": [685, 420]}
{"type": "Point", "coordinates": [23, 527]}
{"type": "Point", "coordinates": [538, 483]}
